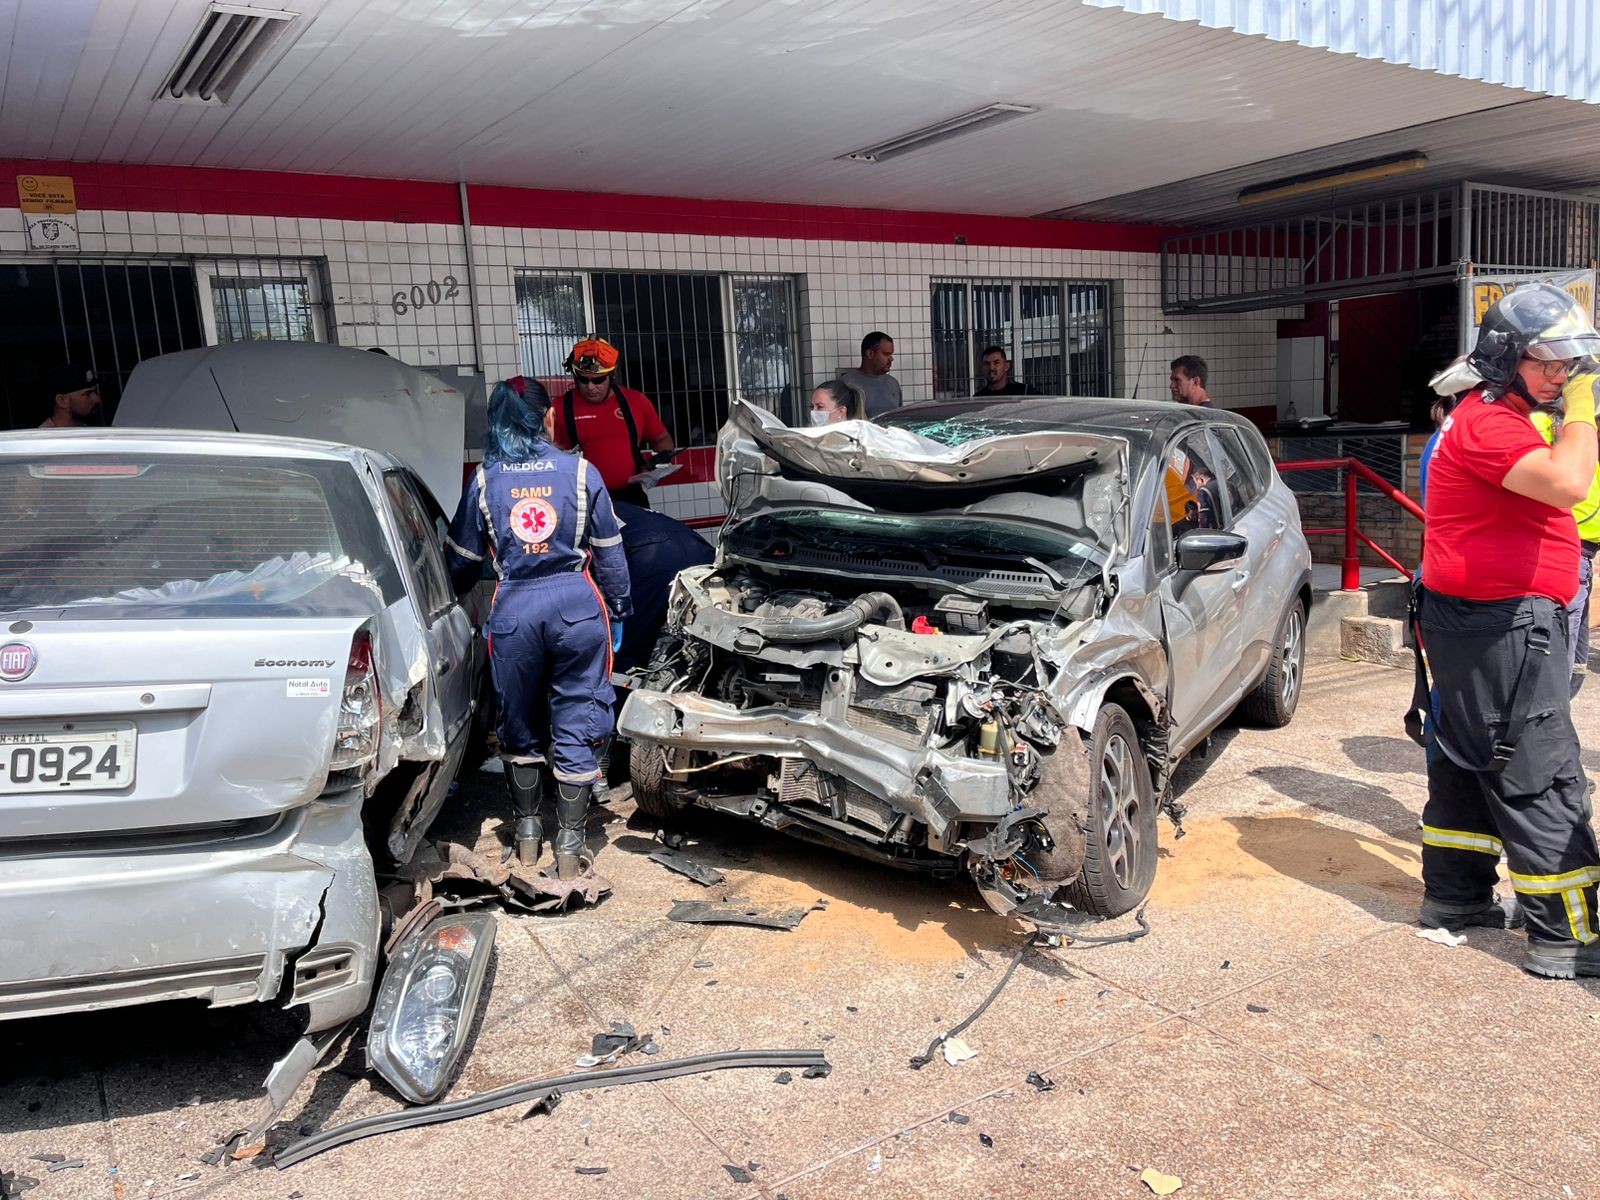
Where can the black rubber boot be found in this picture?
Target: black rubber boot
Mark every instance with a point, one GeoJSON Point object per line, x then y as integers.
{"type": "Point", "coordinates": [572, 807]}
{"type": "Point", "coordinates": [1494, 913]}
{"type": "Point", "coordinates": [526, 784]}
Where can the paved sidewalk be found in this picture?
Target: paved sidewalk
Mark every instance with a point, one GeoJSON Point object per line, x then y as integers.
{"type": "Point", "coordinates": [1281, 1033]}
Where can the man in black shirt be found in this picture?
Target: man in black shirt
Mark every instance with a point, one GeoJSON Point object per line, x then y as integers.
{"type": "Point", "coordinates": [997, 376]}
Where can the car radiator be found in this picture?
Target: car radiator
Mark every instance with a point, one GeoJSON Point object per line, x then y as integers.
{"type": "Point", "coordinates": [799, 782]}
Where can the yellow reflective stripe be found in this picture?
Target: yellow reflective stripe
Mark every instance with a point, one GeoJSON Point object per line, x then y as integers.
{"type": "Point", "coordinates": [1461, 839]}
{"type": "Point", "coordinates": [1548, 885]}
{"type": "Point", "coordinates": [1578, 915]}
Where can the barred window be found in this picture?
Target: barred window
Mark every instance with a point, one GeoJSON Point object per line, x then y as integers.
{"type": "Point", "coordinates": [1056, 332]}
{"type": "Point", "coordinates": [689, 341]}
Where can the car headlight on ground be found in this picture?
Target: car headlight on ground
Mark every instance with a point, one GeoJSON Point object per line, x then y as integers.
{"type": "Point", "coordinates": [426, 1005]}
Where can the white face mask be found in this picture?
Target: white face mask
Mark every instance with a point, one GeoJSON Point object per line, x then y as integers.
{"type": "Point", "coordinates": [819, 416]}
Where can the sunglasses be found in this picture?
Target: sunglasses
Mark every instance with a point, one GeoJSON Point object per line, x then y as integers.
{"type": "Point", "coordinates": [591, 380]}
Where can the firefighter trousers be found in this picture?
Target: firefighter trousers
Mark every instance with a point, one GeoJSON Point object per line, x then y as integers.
{"type": "Point", "coordinates": [1504, 774]}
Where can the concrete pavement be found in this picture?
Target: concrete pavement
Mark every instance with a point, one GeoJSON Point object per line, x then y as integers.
{"type": "Point", "coordinates": [1281, 1033]}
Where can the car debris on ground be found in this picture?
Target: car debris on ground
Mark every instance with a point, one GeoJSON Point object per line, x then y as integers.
{"type": "Point", "coordinates": [672, 860]}
{"type": "Point", "coordinates": [735, 911]}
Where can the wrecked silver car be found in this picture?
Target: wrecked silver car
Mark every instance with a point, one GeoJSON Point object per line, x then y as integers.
{"type": "Point", "coordinates": [977, 636]}
{"type": "Point", "coordinates": [231, 666]}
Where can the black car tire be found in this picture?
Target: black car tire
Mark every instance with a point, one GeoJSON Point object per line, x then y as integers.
{"type": "Point", "coordinates": [648, 768]}
{"type": "Point", "coordinates": [1274, 699]}
{"type": "Point", "coordinates": [1119, 862]}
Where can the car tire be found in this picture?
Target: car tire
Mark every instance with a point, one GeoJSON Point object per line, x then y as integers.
{"type": "Point", "coordinates": [647, 766]}
{"type": "Point", "coordinates": [1274, 699]}
{"type": "Point", "coordinates": [1119, 862]}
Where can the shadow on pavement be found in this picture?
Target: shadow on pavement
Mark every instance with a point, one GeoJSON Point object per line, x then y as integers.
{"type": "Point", "coordinates": [1192, 770]}
{"type": "Point", "coordinates": [1368, 872]}
{"type": "Point", "coordinates": [1387, 755]}
{"type": "Point", "coordinates": [1369, 802]}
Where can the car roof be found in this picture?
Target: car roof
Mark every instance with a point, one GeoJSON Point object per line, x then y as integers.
{"type": "Point", "coordinates": [1154, 419]}
{"type": "Point", "coordinates": [178, 441]}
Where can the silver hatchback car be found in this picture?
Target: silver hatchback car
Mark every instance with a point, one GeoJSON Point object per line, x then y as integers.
{"type": "Point", "coordinates": [978, 636]}
{"type": "Point", "coordinates": [229, 665]}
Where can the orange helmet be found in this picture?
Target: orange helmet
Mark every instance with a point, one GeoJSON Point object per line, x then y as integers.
{"type": "Point", "coordinates": [592, 356]}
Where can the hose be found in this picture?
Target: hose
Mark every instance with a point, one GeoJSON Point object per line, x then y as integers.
{"type": "Point", "coordinates": [840, 624]}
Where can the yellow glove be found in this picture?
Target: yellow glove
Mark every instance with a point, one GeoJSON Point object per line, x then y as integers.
{"type": "Point", "coordinates": [1578, 399]}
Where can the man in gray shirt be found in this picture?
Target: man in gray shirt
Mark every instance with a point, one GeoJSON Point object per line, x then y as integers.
{"type": "Point", "coordinates": [879, 389]}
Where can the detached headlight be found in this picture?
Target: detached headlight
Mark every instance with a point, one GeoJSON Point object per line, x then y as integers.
{"type": "Point", "coordinates": [427, 1002]}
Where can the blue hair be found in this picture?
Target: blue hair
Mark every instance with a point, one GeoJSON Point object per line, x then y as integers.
{"type": "Point", "coordinates": [516, 421]}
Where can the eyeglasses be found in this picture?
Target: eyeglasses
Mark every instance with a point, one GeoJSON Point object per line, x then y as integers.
{"type": "Point", "coordinates": [591, 380]}
{"type": "Point", "coordinates": [1567, 367]}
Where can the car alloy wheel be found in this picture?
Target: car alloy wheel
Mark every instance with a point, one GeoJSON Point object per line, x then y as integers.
{"type": "Point", "coordinates": [1293, 656]}
{"type": "Point", "coordinates": [1119, 809]}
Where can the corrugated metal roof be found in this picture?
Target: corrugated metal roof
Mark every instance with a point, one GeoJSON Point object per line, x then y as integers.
{"type": "Point", "coordinates": [1546, 46]}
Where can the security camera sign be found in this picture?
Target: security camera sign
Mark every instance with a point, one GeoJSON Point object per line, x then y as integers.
{"type": "Point", "coordinates": [50, 210]}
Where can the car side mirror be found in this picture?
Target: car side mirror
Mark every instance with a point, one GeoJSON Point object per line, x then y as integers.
{"type": "Point", "coordinates": [1205, 550]}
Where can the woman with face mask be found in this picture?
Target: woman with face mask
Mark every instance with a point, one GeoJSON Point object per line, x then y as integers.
{"type": "Point", "coordinates": [834, 401]}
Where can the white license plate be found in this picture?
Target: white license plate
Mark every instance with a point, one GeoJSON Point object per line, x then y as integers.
{"type": "Point", "coordinates": [66, 756]}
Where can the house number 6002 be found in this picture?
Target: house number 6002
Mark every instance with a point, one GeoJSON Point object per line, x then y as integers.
{"type": "Point", "coordinates": [424, 295]}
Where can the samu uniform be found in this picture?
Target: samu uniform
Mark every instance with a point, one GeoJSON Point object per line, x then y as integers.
{"type": "Point", "coordinates": [549, 530]}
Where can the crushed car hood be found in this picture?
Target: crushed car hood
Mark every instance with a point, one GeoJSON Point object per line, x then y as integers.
{"type": "Point", "coordinates": [862, 450]}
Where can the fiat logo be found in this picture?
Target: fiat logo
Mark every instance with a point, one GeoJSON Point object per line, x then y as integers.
{"type": "Point", "coordinates": [17, 661]}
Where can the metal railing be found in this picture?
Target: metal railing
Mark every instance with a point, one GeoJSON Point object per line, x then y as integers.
{"type": "Point", "coordinates": [1354, 472]}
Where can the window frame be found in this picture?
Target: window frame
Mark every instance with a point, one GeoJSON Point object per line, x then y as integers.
{"type": "Point", "coordinates": [232, 271]}
{"type": "Point", "coordinates": [1015, 341]}
{"type": "Point", "coordinates": [412, 493]}
{"type": "Point", "coordinates": [1220, 438]}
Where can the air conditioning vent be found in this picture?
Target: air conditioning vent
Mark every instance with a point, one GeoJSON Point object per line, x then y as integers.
{"type": "Point", "coordinates": [230, 41]}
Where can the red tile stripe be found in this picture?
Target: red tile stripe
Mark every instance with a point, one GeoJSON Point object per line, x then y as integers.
{"type": "Point", "coordinates": [134, 188]}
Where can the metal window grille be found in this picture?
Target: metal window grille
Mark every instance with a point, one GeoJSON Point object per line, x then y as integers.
{"type": "Point", "coordinates": [1384, 453]}
{"type": "Point", "coordinates": [1512, 229]}
{"type": "Point", "coordinates": [110, 312]}
{"type": "Point", "coordinates": [1056, 332]}
{"type": "Point", "coordinates": [689, 341]}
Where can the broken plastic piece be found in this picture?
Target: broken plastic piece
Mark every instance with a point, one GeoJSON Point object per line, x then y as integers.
{"type": "Point", "coordinates": [1160, 1184]}
{"type": "Point", "coordinates": [622, 1039]}
{"type": "Point", "coordinates": [684, 865]}
{"type": "Point", "coordinates": [923, 1059]}
{"type": "Point", "coordinates": [727, 912]}
{"type": "Point", "coordinates": [1042, 1083]}
{"type": "Point", "coordinates": [1254, 1008]}
{"type": "Point", "coordinates": [957, 1118]}
{"type": "Point", "coordinates": [738, 1174]}
{"type": "Point", "coordinates": [544, 1105]}
{"type": "Point", "coordinates": [819, 1071]}
{"type": "Point", "coordinates": [784, 1077]}
{"type": "Point", "coordinates": [47, 1158]}
{"type": "Point", "coordinates": [985, 1140]}
{"type": "Point", "coordinates": [12, 1184]}
{"type": "Point", "coordinates": [957, 1051]}
{"type": "Point", "coordinates": [66, 1164]}
{"type": "Point", "coordinates": [591, 1170]}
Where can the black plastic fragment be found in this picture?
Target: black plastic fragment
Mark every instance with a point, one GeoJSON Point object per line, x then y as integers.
{"type": "Point", "coordinates": [729, 912]}
{"type": "Point", "coordinates": [1255, 1008]}
{"type": "Point", "coordinates": [543, 1106]}
{"type": "Point", "coordinates": [622, 1038]}
{"type": "Point", "coordinates": [12, 1184]}
{"type": "Point", "coordinates": [985, 1140]}
{"type": "Point", "coordinates": [784, 1077]}
{"type": "Point", "coordinates": [957, 1118]}
{"type": "Point", "coordinates": [738, 1174]}
{"type": "Point", "coordinates": [591, 1170]}
{"type": "Point", "coordinates": [819, 1071]}
{"type": "Point", "coordinates": [1226, 963]}
{"type": "Point", "coordinates": [47, 1158]}
{"type": "Point", "coordinates": [1041, 1082]}
{"type": "Point", "coordinates": [684, 865]}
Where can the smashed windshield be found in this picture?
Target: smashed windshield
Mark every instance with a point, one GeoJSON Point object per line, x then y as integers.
{"type": "Point", "coordinates": [957, 429]}
{"type": "Point", "coordinates": [931, 541]}
{"type": "Point", "coordinates": [197, 535]}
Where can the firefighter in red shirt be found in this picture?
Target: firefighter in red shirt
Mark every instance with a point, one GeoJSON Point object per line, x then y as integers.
{"type": "Point", "coordinates": [1500, 565]}
{"type": "Point", "coordinates": [610, 424]}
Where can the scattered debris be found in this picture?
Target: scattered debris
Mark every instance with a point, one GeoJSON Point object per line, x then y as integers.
{"type": "Point", "coordinates": [591, 1170]}
{"type": "Point", "coordinates": [66, 1164]}
{"type": "Point", "coordinates": [703, 964]}
{"type": "Point", "coordinates": [12, 1184]}
{"type": "Point", "coordinates": [684, 865]}
{"type": "Point", "coordinates": [674, 840]}
{"type": "Point", "coordinates": [189, 1177]}
{"type": "Point", "coordinates": [957, 1118]}
{"type": "Point", "coordinates": [1254, 1008]}
{"type": "Point", "coordinates": [784, 1077]}
{"type": "Point", "coordinates": [986, 1141]}
{"type": "Point", "coordinates": [877, 1162]}
{"type": "Point", "coordinates": [957, 1051]}
{"type": "Point", "coordinates": [1161, 1185]}
{"type": "Point", "coordinates": [47, 1158]}
{"type": "Point", "coordinates": [731, 911]}
{"type": "Point", "coordinates": [816, 1067]}
{"type": "Point", "coordinates": [1443, 936]}
{"type": "Point", "coordinates": [544, 1105]}
{"type": "Point", "coordinates": [738, 1174]}
{"type": "Point", "coordinates": [1040, 1082]}
{"type": "Point", "coordinates": [622, 1038]}
{"type": "Point", "coordinates": [819, 905]}
{"type": "Point", "coordinates": [1226, 963]}
{"type": "Point", "coordinates": [926, 1057]}
{"type": "Point", "coordinates": [459, 872]}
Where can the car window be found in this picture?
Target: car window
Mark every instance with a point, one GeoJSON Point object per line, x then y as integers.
{"type": "Point", "coordinates": [419, 542]}
{"type": "Point", "coordinates": [1158, 543]}
{"type": "Point", "coordinates": [1193, 494]}
{"type": "Point", "coordinates": [1241, 475]}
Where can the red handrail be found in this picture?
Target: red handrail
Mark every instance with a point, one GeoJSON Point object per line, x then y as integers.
{"type": "Point", "coordinates": [1355, 471]}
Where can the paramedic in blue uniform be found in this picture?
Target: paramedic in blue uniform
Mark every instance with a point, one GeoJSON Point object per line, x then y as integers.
{"type": "Point", "coordinates": [544, 520]}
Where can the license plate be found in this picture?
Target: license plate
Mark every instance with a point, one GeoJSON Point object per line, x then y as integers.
{"type": "Point", "coordinates": [66, 756]}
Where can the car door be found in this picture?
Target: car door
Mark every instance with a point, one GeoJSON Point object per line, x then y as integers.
{"type": "Point", "coordinates": [449, 631]}
{"type": "Point", "coordinates": [1201, 610]}
{"type": "Point", "coordinates": [1263, 519]}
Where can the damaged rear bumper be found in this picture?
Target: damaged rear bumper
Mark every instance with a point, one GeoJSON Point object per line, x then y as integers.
{"type": "Point", "coordinates": [934, 787]}
{"type": "Point", "coordinates": [292, 909]}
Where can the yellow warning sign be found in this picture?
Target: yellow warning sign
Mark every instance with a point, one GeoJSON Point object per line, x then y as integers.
{"type": "Point", "coordinates": [51, 194]}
